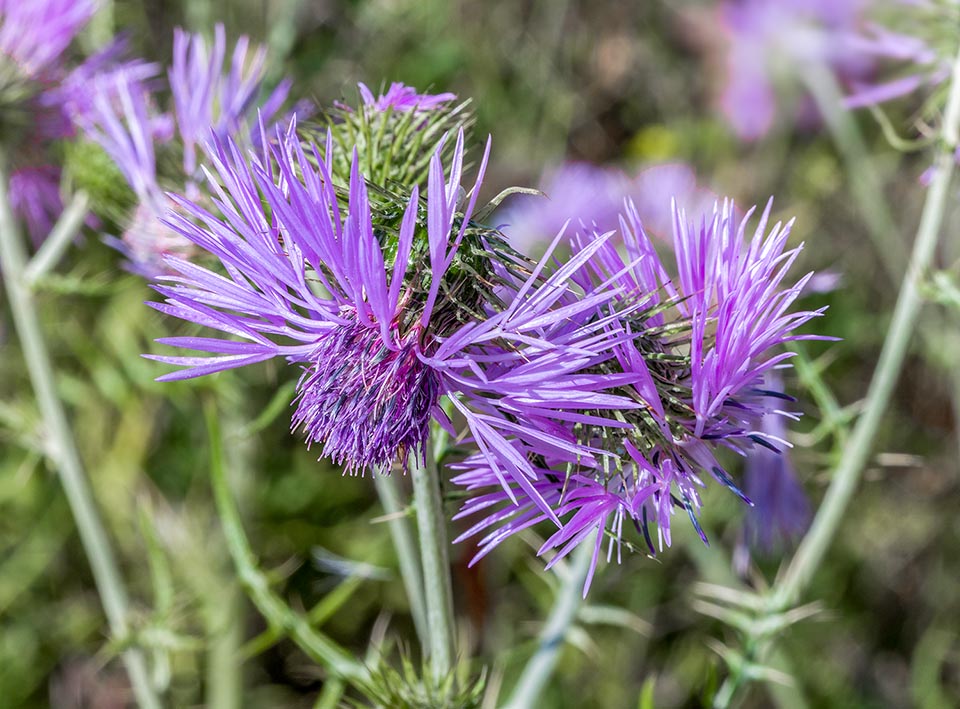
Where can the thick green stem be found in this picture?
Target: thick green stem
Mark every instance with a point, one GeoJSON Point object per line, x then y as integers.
{"type": "Point", "coordinates": [62, 449]}
{"type": "Point", "coordinates": [406, 548]}
{"type": "Point", "coordinates": [536, 674]}
{"type": "Point", "coordinates": [858, 448]}
{"type": "Point", "coordinates": [438, 593]}
{"type": "Point", "coordinates": [317, 646]}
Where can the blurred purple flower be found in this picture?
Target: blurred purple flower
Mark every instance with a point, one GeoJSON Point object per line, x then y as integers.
{"type": "Point", "coordinates": [909, 46]}
{"type": "Point", "coordinates": [781, 511]}
{"type": "Point", "coordinates": [592, 196]}
{"type": "Point", "coordinates": [35, 33]}
{"type": "Point", "coordinates": [35, 198]}
{"type": "Point", "coordinates": [697, 391]}
{"type": "Point", "coordinates": [383, 344]}
{"type": "Point", "coordinates": [768, 40]}
{"type": "Point", "coordinates": [120, 112]}
{"type": "Point", "coordinates": [400, 97]}
{"type": "Point", "coordinates": [209, 95]}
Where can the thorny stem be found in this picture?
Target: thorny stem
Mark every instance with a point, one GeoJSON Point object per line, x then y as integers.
{"type": "Point", "coordinates": [526, 693]}
{"type": "Point", "coordinates": [278, 614]}
{"type": "Point", "coordinates": [438, 593]}
{"type": "Point", "coordinates": [736, 678]}
{"type": "Point", "coordinates": [63, 451]}
{"type": "Point", "coordinates": [856, 452]}
{"type": "Point", "coordinates": [403, 542]}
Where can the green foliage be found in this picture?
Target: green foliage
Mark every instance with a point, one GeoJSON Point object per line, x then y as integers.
{"type": "Point", "coordinates": [408, 688]}
{"type": "Point", "coordinates": [87, 167]}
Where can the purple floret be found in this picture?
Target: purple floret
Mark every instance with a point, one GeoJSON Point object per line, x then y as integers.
{"type": "Point", "coordinates": [400, 97]}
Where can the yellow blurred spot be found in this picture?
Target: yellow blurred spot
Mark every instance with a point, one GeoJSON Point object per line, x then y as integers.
{"type": "Point", "coordinates": [656, 142]}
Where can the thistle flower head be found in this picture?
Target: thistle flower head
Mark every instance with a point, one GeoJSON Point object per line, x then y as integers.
{"type": "Point", "coordinates": [701, 337]}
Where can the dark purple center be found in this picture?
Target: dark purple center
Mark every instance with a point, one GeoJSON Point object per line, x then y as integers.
{"type": "Point", "coordinates": [364, 402]}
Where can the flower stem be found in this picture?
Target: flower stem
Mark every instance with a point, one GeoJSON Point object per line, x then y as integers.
{"type": "Point", "coordinates": [61, 236]}
{"type": "Point", "coordinates": [537, 673]}
{"type": "Point", "coordinates": [278, 614]}
{"type": "Point", "coordinates": [858, 448]}
{"type": "Point", "coordinates": [403, 543]}
{"type": "Point", "coordinates": [438, 593]}
{"type": "Point", "coordinates": [63, 451]}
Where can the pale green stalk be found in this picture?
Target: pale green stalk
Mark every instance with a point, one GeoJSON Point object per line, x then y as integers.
{"type": "Point", "coordinates": [406, 548]}
{"type": "Point", "coordinates": [856, 452]}
{"type": "Point", "coordinates": [858, 448]}
{"type": "Point", "coordinates": [59, 240]}
{"type": "Point", "coordinates": [536, 674]}
{"type": "Point", "coordinates": [438, 594]}
{"type": "Point", "coordinates": [224, 630]}
{"type": "Point", "coordinates": [62, 449]}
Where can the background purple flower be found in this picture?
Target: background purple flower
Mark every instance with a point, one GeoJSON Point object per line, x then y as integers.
{"type": "Point", "coordinates": [122, 112]}
{"type": "Point", "coordinates": [33, 38]}
{"type": "Point", "coordinates": [35, 33]}
{"type": "Point", "coordinates": [211, 94]}
{"type": "Point", "coordinates": [768, 41]}
{"type": "Point", "coordinates": [35, 198]}
{"type": "Point", "coordinates": [781, 511]}
{"type": "Point", "coordinates": [907, 50]}
{"type": "Point", "coordinates": [593, 196]}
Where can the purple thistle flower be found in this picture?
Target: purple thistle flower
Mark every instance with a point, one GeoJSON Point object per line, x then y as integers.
{"type": "Point", "coordinates": [33, 38]}
{"type": "Point", "coordinates": [767, 40]}
{"type": "Point", "coordinates": [206, 94]}
{"type": "Point", "coordinates": [700, 345]}
{"type": "Point", "coordinates": [122, 116]}
{"type": "Point", "coordinates": [400, 322]}
{"type": "Point", "coordinates": [400, 97]}
{"type": "Point", "coordinates": [35, 33]}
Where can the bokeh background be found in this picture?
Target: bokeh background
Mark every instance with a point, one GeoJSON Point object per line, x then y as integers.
{"type": "Point", "coordinates": [625, 84]}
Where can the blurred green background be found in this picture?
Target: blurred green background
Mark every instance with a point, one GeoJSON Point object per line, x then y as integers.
{"type": "Point", "coordinates": [625, 83]}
